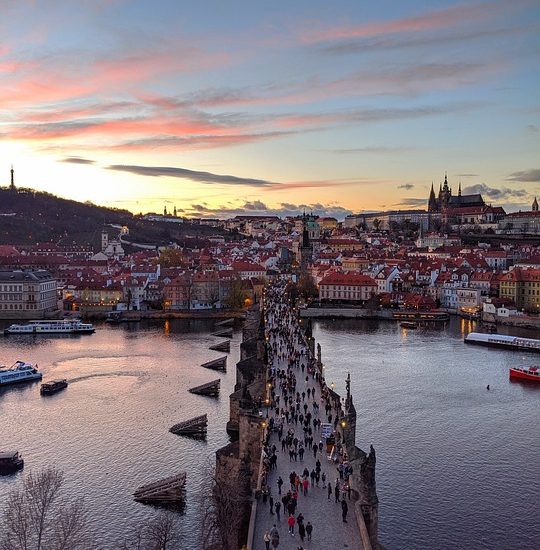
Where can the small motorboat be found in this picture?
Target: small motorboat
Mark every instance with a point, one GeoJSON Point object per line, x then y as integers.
{"type": "Point", "coordinates": [10, 462]}
{"type": "Point", "coordinates": [408, 324]}
{"type": "Point", "coordinates": [531, 373]}
{"type": "Point", "coordinates": [54, 386]}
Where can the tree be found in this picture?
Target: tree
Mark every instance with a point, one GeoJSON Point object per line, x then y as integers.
{"type": "Point", "coordinates": [37, 517]}
{"type": "Point", "coordinates": [376, 224]}
{"type": "Point", "coordinates": [171, 257]}
{"type": "Point", "coordinates": [307, 287]}
{"type": "Point", "coordinates": [223, 506]}
{"type": "Point", "coordinates": [160, 533]}
{"type": "Point", "coordinates": [236, 295]}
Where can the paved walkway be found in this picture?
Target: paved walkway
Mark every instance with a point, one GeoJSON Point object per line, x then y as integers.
{"type": "Point", "coordinates": [329, 530]}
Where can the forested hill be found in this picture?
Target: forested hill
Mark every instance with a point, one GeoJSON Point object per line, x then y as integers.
{"type": "Point", "coordinates": [28, 216]}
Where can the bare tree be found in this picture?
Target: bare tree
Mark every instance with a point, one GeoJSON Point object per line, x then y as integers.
{"type": "Point", "coordinates": [37, 517]}
{"type": "Point", "coordinates": [160, 533]}
{"type": "Point", "coordinates": [224, 505]}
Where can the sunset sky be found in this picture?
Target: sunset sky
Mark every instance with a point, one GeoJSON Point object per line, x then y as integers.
{"type": "Point", "coordinates": [224, 107]}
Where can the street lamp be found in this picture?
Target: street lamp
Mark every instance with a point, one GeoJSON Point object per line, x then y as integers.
{"type": "Point", "coordinates": [332, 385]}
{"type": "Point", "coordinates": [343, 424]}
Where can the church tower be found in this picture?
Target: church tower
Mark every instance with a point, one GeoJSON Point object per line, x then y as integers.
{"type": "Point", "coordinates": [535, 205]}
{"type": "Point", "coordinates": [12, 184]}
{"type": "Point", "coordinates": [432, 202]}
{"type": "Point", "coordinates": [446, 193]}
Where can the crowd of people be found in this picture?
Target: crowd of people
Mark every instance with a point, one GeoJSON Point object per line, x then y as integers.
{"type": "Point", "coordinates": [297, 392]}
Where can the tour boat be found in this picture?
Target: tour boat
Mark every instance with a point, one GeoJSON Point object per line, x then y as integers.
{"type": "Point", "coordinates": [19, 372]}
{"type": "Point", "coordinates": [54, 386]}
{"type": "Point", "coordinates": [61, 326]}
{"type": "Point", "coordinates": [526, 373]}
{"type": "Point", "coordinates": [408, 324]}
{"type": "Point", "coordinates": [503, 341]}
{"type": "Point", "coordinates": [10, 462]}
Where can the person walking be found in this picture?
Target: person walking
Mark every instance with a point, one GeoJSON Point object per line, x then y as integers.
{"type": "Point", "coordinates": [267, 539]}
{"type": "Point", "coordinates": [279, 484]}
{"type": "Point", "coordinates": [309, 530]}
{"type": "Point", "coordinates": [336, 492]}
{"type": "Point", "coordinates": [302, 531]}
{"type": "Point", "coordinates": [274, 537]}
{"type": "Point", "coordinates": [344, 510]}
{"type": "Point", "coordinates": [278, 510]}
{"type": "Point", "coordinates": [290, 522]}
{"type": "Point", "coordinates": [329, 490]}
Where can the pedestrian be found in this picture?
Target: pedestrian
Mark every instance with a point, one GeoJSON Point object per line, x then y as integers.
{"type": "Point", "coordinates": [344, 510]}
{"type": "Point", "coordinates": [301, 531]}
{"type": "Point", "coordinates": [329, 490]}
{"type": "Point", "coordinates": [336, 492]}
{"type": "Point", "coordinates": [309, 530]}
{"type": "Point", "coordinates": [271, 505]}
{"type": "Point", "coordinates": [279, 484]}
{"type": "Point", "coordinates": [323, 477]}
{"type": "Point", "coordinates": [274, 536]}
{"type": "Point", "coordinates": [290, 522]}
{"type": "Point", "coordinates": [278, 510]}
{"type": "Point", "coordinates": [267, 539]}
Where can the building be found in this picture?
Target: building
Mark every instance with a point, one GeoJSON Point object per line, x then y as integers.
{"type": "Point", "coordinates": [445, 200]}
{"type": "Point", "coordinates": [27, 294]}
{"type": "Point", "coordinates": [522, 222]}
{"type": "Point", "coordinates": [177, 293]}
{"type": "Point", "coordinates": [347, 287]}
{"type": "Point", "coordinates": [522, 287]}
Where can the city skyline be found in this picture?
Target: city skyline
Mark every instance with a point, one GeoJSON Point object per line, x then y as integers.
{"type": "Point", "coordinates": [337, 109]}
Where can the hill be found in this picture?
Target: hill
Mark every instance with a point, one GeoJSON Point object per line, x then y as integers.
{"type": "Point", "coordinates": [28, 216]}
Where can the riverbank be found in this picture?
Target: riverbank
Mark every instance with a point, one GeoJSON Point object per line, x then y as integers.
{"type": "Point", "coordinates": [160, 314]}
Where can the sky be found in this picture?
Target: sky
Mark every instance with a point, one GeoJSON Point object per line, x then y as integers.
{"type": "Point", "coordinates": [222, 108]}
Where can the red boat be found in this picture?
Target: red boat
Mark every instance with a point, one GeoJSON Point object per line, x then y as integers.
{"type": "Point", "coordinates": [526, 373]}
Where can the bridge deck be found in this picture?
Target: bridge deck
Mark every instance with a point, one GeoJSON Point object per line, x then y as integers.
{"type": "Point", "coordinates": [329, 531]}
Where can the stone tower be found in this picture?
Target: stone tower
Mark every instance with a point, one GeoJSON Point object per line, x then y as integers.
{"type": "Point", "coordinates": [432, 202]}
{"type": "Point", "coordinates": [535, 205]}
{"type": "Point", "coordinates": [12, 184]}
{"type": "Point", "coordinates": [104, 240]}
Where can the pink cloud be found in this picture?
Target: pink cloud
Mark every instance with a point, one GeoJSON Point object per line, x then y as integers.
{"type": "Point", "coordinates": [433, 20]}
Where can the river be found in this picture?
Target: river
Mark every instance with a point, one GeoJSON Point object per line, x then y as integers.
{"type": "Point", "coordinates": [457, 465]}
{"type": "Point", "coordinates": [108, 431]}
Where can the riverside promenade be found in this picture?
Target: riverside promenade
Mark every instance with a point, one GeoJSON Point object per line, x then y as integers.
{"type": "Point", "coordinates": [292, 372]}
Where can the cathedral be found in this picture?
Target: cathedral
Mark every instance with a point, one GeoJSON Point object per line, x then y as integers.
{"type": "Point", "coordinates": [446, 201]}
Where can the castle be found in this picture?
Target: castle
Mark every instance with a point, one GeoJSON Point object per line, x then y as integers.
{"type": "Point", "coordinates": [446, 201]}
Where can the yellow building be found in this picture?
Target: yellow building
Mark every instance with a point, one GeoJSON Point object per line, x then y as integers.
{"type": "Point", "coordinates": [522, 286]}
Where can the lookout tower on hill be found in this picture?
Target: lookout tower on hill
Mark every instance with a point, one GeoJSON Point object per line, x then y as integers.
{"type": "Point", "coordinates": [12, 184]}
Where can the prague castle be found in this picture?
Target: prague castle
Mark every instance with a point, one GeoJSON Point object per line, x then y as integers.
{"type": "Point", "coordinates": [446, 200]}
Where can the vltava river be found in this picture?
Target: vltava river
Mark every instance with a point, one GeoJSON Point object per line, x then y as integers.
{"type": "Point", "coordinates": [457, 465]}
{"type": "Point", "coordinates": [108, 431]}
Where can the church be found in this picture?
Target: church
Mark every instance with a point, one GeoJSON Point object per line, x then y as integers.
{"type": "Point", "coordinates": [446, 201]}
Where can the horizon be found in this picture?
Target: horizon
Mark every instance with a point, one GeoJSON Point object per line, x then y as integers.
{"type": "Point", "coordinates": [337, 109]}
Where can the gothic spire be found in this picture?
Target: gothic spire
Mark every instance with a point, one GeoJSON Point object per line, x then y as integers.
{"type": "Point", "coordinates": [459, 190]}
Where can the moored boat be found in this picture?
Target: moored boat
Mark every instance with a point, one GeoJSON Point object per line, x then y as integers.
{"type": "Point", "coordinates": [525, 373]}
{"type": "Point", "coordinates": [408, 324]}
{"type": "Point", "coordinates": [59, 326]}
{"type": "Point", "coordinates": [10, 462]}
{"type": "Point", "coordinates": [19, 372]}
{"type": "Point", "coordinates": [503, 341]}
{"type": "Point", "coordinates": [54, 386]}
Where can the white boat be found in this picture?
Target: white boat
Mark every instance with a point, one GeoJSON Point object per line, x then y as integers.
{"type": "Point", "coordinates": [503, 341]}
{"type": "Point", "coordinates": [19, 372]}
{"type": "Point", "coordinates": [60, 326]}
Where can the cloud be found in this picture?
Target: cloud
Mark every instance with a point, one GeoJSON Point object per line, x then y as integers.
{"type": "Point", "coordinates": [412, 202]}
{"type": "Point", "coordinates": [466, 175]}
{"type": "Point", "coordinates": [532, 128]}
{"type": "Point", "coordinates": [407, 186]}
{"type": "Point", "coordinates": [532, 175]}
{"type": "Point", "coordinates": [431, 21]}
{"type": "Point", "coordinates": [260, 208]}
{"type": "Point", "coordinates": [192, 175]}
{"type": "Point", "coordinates": [370, 150]}
{"type": "Point", "coordinates": [77, 160]}
{"type": "Point", "coordinates": [495, 193]}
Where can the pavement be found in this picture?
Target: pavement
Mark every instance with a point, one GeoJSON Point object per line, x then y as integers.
{"type": "Point", "coordinates": [329, 531]}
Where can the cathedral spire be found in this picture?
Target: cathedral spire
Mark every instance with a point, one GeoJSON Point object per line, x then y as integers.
{"type": "Point", "coordinates": [459, 190]}
{"type": "Point", "coordinates": [535, 205]}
